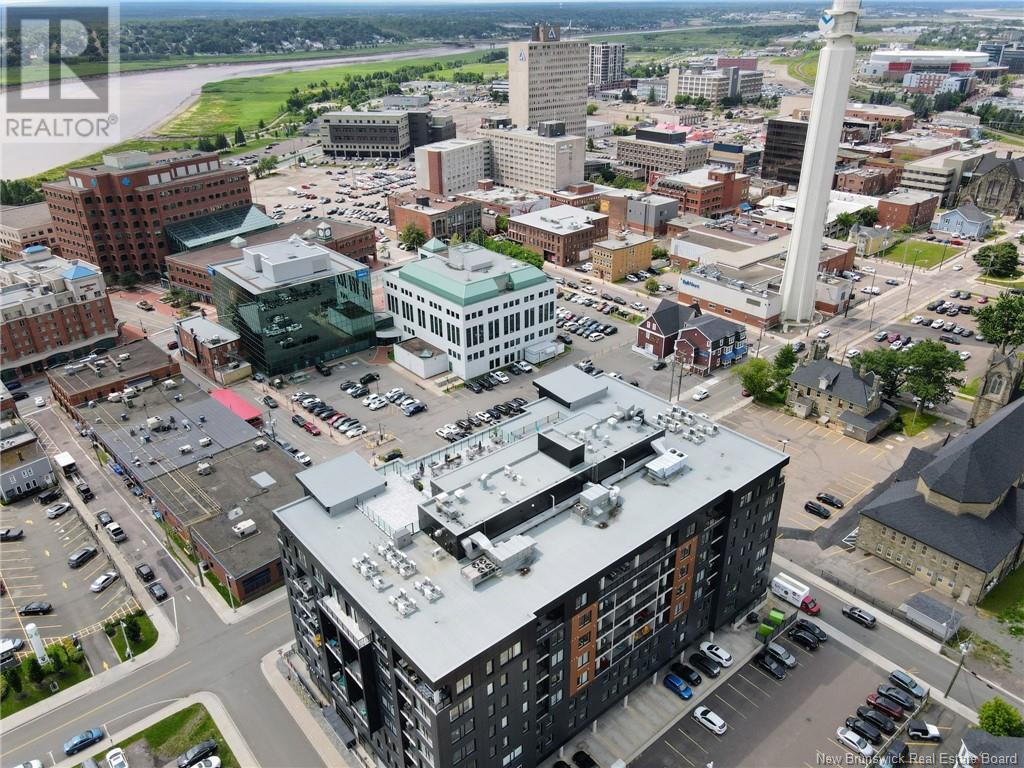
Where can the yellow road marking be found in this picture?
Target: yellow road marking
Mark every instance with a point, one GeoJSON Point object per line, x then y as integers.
{"type": "Point", "coordinates": [105, 666]}
{"type": "Point", "coordinates": [899, 581]}
{"type": "Point", "coordinates": [268, 621]}
{"type": "Point", "coordinates": [64, 584]}
{"type": "Point", "coordinates": [98, 707]}
{"type": "Point", "coordinates": [865, 448]}
{"type": "Point", "coordinates": [880, 570]}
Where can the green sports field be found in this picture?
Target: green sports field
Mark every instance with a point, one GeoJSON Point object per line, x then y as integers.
{"type": "Point", "coordinates": [926, 255]}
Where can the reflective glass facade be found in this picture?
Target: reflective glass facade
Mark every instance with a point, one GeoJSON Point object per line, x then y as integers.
{"type": "Point", "coordinates": [294, 326]}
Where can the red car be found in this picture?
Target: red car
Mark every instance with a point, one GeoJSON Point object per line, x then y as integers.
{"type": "Point", "coordinates": [983, 299]}
{"type": "Point", "coordinates": [893, 337]}
{"type": "Point", "coordinates": [312, 428]}
{"type": "Point", "coordinates": [885, 705]}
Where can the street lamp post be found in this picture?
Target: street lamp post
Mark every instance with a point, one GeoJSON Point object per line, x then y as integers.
{"type": "Point", "coordinates": [965, 648]}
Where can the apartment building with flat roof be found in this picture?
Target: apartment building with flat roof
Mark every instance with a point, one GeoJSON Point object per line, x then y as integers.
{"type": "Point", "coordinates": [705, 191]}
{"type": "Point", "coordinates": [496, 614]}
{"type": "Point", "coordinates": [559, 234]}
{"type": "Point", "coordinates": [547, 80]}
{"type": "Point", "coordinates": [620, 253]}
{"type": "Point", "coordinates": [452, 166]}
{"type": "Point", "coordinates": [715, 84]}
{"type": "Point", "coordinates": [912, 208]}
{"type": "Point", "coordinates": [607, 63]}
{"type": "Point", "coordinates": [52, 309]}
{"type": "Point", "coordinates": [122, 214]}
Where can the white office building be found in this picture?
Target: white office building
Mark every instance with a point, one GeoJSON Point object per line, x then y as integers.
{"type": "Point", "coordinates": [484, 309]}
{"type": "Point", "coordinates": [525, 159]}
{"type": "Point", "coordinates": [452, 166]}
{"type": "Point", "coordinates": [547, 79]}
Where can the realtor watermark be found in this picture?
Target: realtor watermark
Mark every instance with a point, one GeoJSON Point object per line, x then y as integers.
{"type": "Point", "coordinates": [60, 65]}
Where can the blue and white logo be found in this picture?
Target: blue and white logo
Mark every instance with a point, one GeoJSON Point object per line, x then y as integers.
{"type": "Point", "coordinates": [522, 55]}
{"type": "Point", "coordinates": [826, 23]}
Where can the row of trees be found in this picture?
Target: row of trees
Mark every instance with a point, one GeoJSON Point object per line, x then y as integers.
{"type": "Point", "coordinates": [18, 192]}
{"type": "Point", "coordinates": [413, 237]}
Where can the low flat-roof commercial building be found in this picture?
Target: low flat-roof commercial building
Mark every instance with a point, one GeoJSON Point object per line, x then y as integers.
{"type": "Point", "coordinates": [621, 253]}
{"type": "Point", "coordinates": [563, 569]}
{"type": "Point", "coordinates": [951, 516]}
{"type": "Point", "coordinates": [502, 201]}
{"type": "Point", "coordinates": [24, 225]}
{"type": "Point", "coordinates": [388, 134]}
{"type": "Point", "coordinates": [871, 182]}
{"type": "Point", "coordinates": [52, 309]}
{"type": "Point", "coordinates": [25, 467]}
{"type": "Point", "coordinates": [642, 212]}
{"type": "Point", "coordinates": [192, 271]}
{"type": "Point", "coordinates": [535, 159]}
{"type": "Point", "coordinates": [484, 309]}
{"type": "Point", "coordinates": [558, 234]}
{"type": "Point", "coordinates": [716, 84]}
{"type": "Point", "coordinates": [745, 284]}
{"type": "Point", "coordinates": [435, 216]}
{"type": "Point", "coordinates": [704, 192]}
{"type": "Point", "coordinates": [780, 212]}
{"type": "Point", "coordinates": [294, 304]}
{"type": "Point", "coordinates": [212, 348]}
{"type": "Point", "coordinates": [663, 151]}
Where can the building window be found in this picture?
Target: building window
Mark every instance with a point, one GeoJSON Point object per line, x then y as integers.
{"type": "Point", "coordinates": [464, 684]}
{"type": "Point", "coordinates": [510, 653]}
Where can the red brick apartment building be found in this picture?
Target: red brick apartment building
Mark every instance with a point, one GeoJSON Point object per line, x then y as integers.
{"type": "Point", "coordinates": [705, 191]}
{"type": "Point", "coordinates": [912, 208]}
{"type": "Point", "coordinates": [558, 234]}
{"type": "Point", "coordinates": [866, 181]}
{"type": "Point", "coordinates": [117, 214]}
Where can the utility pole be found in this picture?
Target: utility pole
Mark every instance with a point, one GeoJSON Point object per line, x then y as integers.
{"type": "Point", "coordinates": [965, 648]}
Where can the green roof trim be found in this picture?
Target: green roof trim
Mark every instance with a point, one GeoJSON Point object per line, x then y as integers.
{"type": "Point", "coordinates": [431, 279]}
{"type": "Point", "coordinates": [433, 245]}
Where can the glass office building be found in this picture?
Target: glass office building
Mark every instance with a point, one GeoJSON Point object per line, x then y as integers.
{"type": "Point", "coordinates": [294, 304]}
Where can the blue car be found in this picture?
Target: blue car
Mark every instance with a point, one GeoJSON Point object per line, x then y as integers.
{"type": "Point", "coordinates": [83, 740]}
{"type": "Point", "coordinates": [675, 684]}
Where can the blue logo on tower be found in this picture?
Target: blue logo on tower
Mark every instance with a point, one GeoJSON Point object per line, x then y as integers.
{"type": "Point", "coordinates": [825, 23]}
{"type": "Point", "coordinates": [522, 55]}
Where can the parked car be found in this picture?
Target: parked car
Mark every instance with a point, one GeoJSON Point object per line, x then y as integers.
{"type": "Point", "coordinates": [659, 365]}
{"type": "Point", "coordinates": [881, 721]}
{"type": "Point", "coordinates": [771, 666]}
{"type": "Point", "coordinates": [898, 695]}
{"type": "Point", "coordinates": [812, 629]}
{"type": "Point", "coordinates": [83, 740]}
{"type": "Point", "coordinates": [11, 534]}
{"type": "Point", "coordinates": [859, 615]}
{"type": "Point", "coordinates": [885, 705]}
{"type": "Point", "coordinates": [676, 684]}
{"type": "Point", "coordinates": [707, 717]}
{"type": "Point", "coordinates": [57, 510]}
{"type": "Point", "coordinates": [705, 664]}
{"type": "Point", "coordinates": [36, 608]}
{"type": "Point", "coordinates": [817, 509]}
{"type": "Point", "coordinates": [687, 673]}
{"type": "Point", "coordinates": [865, 729]}
{"type": "Point", "coordinates": [103, 581]}
{"type": "Point", "coordinates": [157, 591]}
{"type": "Point", "coordinates": [855, 743]}
{"type": "Point", "coordinates": [919, 730]}
{"type": "Point", "coordinates": [144, 572]}
{"type": "Point", "coordinates": [701, 394]}
{"type": "Point", "coordinates": [81, 556]}
{"type": "Point", "coordinates": [196, 753]}
{"type": "Point", "coordinates": [49, 495]}
{"type": "Point", "coordinates": [907, 683]}
{"type": "Point", "coordinates": [803, 638]}
{"type": "Point", "coordinates": [369, 377]}
{"type": "Point", "coordinates": [832, 501]}
{"type": "Point", "coordinates": [116, 758]}
{"type": "Point", "coordinates": [781, 653]}
{"type": "Point", "coordinates": [717, 653]}
{"type": "Point", "coordinates": [583, 760]}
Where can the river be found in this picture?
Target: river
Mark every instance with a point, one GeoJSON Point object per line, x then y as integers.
{"type": "Point", "coordinates": [149, 99]}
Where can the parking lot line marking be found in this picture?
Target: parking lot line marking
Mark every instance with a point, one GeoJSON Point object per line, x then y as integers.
{"type": "Point", "coordinates": [98, 707]}
{"type": "Point", "coordinates": [730, 706]}
{"type": "Point", "coordinates": [899, 581]}
{"type": "Point", "coordinates": [762, 690]}
{"type": "Point", "coordinates": [769, 678]}
{"type": "Point", "coordinates": [756, 705]}
{"type": "Point", "coordinates": [697, 743]}
{"type": "Point", "coordinates": [116, 595]}
{"type": "Point", "coordinates": [842, 749]}
{"type": "Point", "coordinates": [865, 448]}
{"type": "Point", "coordinates": [881, 570]}
{"type": "Point", "coordinates": [90, 573]}
{"type": "Point", "coordinates": [670, 746]}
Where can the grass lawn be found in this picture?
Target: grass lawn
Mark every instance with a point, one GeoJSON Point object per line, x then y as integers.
{"type": "Point", "coordinates": [72, 673]}
{"type": "Point", "coordinates": [915, 426]}
{"type": "Point", "coordinates": [803, 68]}
{"type": "Point", "coordinates": [925, 254]}
{"type": "Point", "coordinates": [981, 649]}
{"type": "Point", "coordinates": [149, 636]}
{"type": "Point", "coordinates": [1003, 282]}
{"type": "Point", "coordinates": [245, 101]}
{"type": "Point", "coordinates": [174, 734]}
{"type": "Point", "coordinates": [1006, 601]}
{"type": "Point", "coordinates": [971, 387]}
{"type": "Point", "coordinates": [221, 589]}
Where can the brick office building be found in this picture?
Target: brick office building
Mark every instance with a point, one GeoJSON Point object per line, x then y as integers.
{"type": "Point", "coordinates": [658, 334]}
{"type": "Point", "coordinates": [704, 192]}
{"type": "Point", "coordinates": [912, 208]}
{"type": "Point", "coordinates": [24, 225]}
{"type": "Point", "coordinates": [435, 216]}
{"type": "Point", "coordinates": [190, 270]}
{"type": "Point", "coordinates": [120, 214]}
{"type": "Point", "coordinates": [558, 234]}
{"type": "Point", "coordinates": [212, 348]}
{"type": "Point", "coordinates": [866, 181]}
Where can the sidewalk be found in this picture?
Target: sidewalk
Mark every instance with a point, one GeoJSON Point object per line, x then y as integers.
{"type": "Point", "coordinates": [305, 712]}
{"type": "Point", "coordinates": [213, 705]}
{"type": "Point", "coordinates": [230, 615]}
{"type": "Point", "coordinates": [164, 646]}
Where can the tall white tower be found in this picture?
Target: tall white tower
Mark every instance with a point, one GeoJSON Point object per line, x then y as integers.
{"type": "Point", "coordinates": [831, 88]}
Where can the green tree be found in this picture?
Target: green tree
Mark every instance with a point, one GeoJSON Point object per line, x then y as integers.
{"type": "Point", "coordinates": [867, 217]}
{"type": "Point", "coordinates": [455, 239]}
{"type": "Point", "coordinates": [239, 137]}
{"type": "Point", "coordinates": [33, 670]}
{"type": "Point", "coordinates": [1002, 322]}
{"type": "Point", "coordinates": [657, 252]}
{"type": "Point", "coordinates": [501, 222]}
{"type": "Point", "coordinates": [846, 221]}
{"type": "Point", "coordinates": [930, 372]}
{"type": "Point", "coordinates": [18, 192]}
{"type": "Point", "coordinates": [651, 285]}
{"type": "Point", "coordinates": [652, 97]}
{"type": "Point", "coordinates": [478, 236]}
{"type": "Point", "coordinates": [785, 361]}
{"type": "Point", "coordinates": [591, 109]}
{"type": "Point", "coordinates": [262, 125]}
{"type": "Point", "coordinates": [57, 659]}
{"type": "Point", "coordinates": [412, 236]}
{"type": "Point", "coordinates": [756, 377]}
{"type": "Point", "coordinates": [13, 677]}
{"type": "Point", "coordinates": [590, 144]}
{"type": "Point", "coordinates": [203, 144]}
{"type": "Point", "coordinates": [129, 280]}
{"type": "Point", "coordinates": [920, 106]}
{"type": "Point", "coordinates": [998, 718]}
{"type": "Point", "coordinates": [681, 99]}
{"type": "Point", "coordinates": [998, 260]}
{"type": "Point", "coordinates": [132, 629]}
{"type": "Point", "coordinates": [220, 141]}
{"type": "Point", "coordinates": [889, 365]}
{"type": "Point", "coordinates": [728, 114]}
{"type": "Point", "coordinates": [265, 166]}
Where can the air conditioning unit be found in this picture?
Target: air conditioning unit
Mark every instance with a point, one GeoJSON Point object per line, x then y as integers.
{"type": "Point", "coordinates": [204, 468]}
{"type": "Point", "coordinates": [244, 528]}
{"type": "Point", "coordinates": [205, 442]}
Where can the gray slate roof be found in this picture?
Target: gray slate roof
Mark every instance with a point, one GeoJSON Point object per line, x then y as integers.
{"type": "Point", "coordinates": [881, 415]}
{"type": "Point", "coordinates": [1010, 748]}
{"type": "Point", "coordinates": [972, 213]}
{"type": "Point", "coordinates": [979, 542]}
{"type": "Point", "coordinates": [713, 327]}
{"type": "Point", "coordinates": [980, 465]}
{"type": "Point", "coordinates": [841, 381]}
{"type": "Point", "coordinates": [670, 316]}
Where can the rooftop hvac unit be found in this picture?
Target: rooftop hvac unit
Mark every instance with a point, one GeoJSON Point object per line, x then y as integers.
{"type": "Point", "coordinates": [205, 442]}
{"type": "Point", "coordinates": [460, 494]}
{"type": "Point", "coordinates": [124, 356]}
{"type": "Point", "coordinates": [185, 449]}
{"type": "Point", "coordinates": [204, 468]}
{"type": "Point", "coordinates": [170, 384]}
{"type": "Point", "coordinates": [244, 528]}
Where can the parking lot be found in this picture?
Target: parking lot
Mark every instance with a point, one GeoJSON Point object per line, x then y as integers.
{"type": "Point", "coordinates": [35, 568]}
{"type": "Point", "coordinates": [789, 723]}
